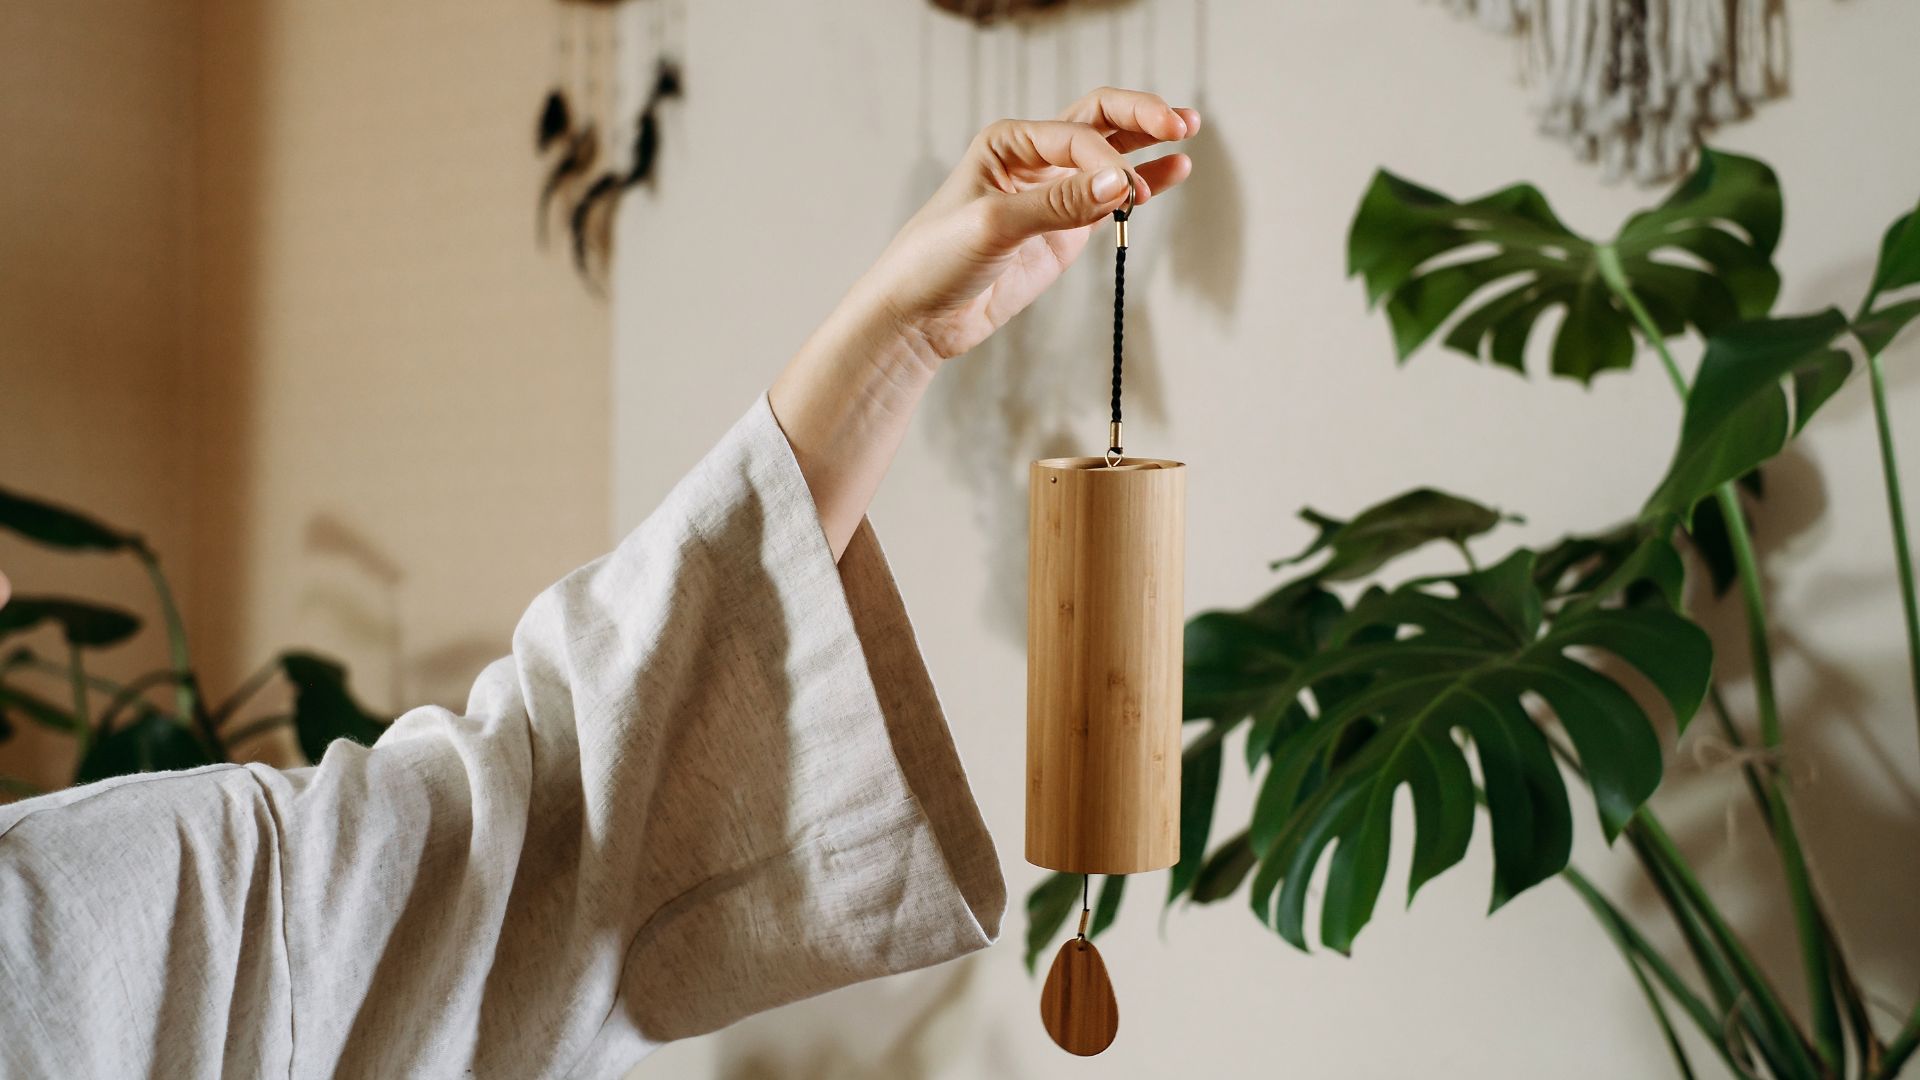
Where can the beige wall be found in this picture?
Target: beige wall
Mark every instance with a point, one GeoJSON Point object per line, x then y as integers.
{"type": "Point", "coordinates": [96, 121]}
{"type": "Point", "coordinates": [798, 150]}
{"type": "Point", "coordinates": [411, 433]}
{"type": "Point", "coordinates": [269, 293]}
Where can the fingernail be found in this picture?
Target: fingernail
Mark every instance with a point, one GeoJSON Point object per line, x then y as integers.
{"type": "Point", "coordinates": [1108, 184]}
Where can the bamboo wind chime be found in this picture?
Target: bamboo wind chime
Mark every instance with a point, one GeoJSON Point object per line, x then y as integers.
{"type": "Point", "coordinates": [1104, 622]}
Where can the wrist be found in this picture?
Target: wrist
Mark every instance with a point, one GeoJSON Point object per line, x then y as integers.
{"type": "Point", "coordinates": [887, 333]}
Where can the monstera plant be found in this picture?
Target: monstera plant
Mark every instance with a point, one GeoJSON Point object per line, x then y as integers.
{"type": "Point", "coordinates": [159, 720]}
{"type": "Point", "coordinates": [1482, 691]}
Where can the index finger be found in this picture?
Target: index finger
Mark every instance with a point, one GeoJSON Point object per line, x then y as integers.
{"type": "Point", "coordinates": [1109, 110]}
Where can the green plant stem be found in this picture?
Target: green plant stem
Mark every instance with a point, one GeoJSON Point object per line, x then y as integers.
{"type": "Point", "coordinates": [1644, 960]}
{"type": "Point", "coordinates": [259, 727]}
{"type": "Point", "coordinates": [1901, 1048]}
{"type": "Point", "coordinates": [1866, 1044]}
{"type": "Point", "coordinates": [244, 692]}
{"type": "Point", "coordinates": [185, 688]}
{"type": "Point", "coordinates": [1736, 981]}
{"type": "Point", "coordinates": [1902, 551]}
{"type": "Point", "coordinates": [1814, 953]}
{"type": "Point", "coordinates": [48, 667]}
{"type": "Point", "coordinates": [77, 678]}
{"type": "Point", "coordinates": [1615, 276]}
{"type": "Point", "coordinates": [1660, 847]}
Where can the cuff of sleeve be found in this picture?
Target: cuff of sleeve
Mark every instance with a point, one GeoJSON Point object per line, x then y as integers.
{"type": "Point", "coordinates": [886, 865]}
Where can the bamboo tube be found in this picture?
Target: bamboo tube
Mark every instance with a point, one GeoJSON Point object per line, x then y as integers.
{"type": "Point", "coordinates": [1106, 551]}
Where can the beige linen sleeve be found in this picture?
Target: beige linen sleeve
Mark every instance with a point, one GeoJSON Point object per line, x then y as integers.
{"type": "Point", "coordinates": [711, 778]}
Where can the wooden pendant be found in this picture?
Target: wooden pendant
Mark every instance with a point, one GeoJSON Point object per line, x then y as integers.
{"type": "Point", "coordinates": [1077, 1005]}
{"type": "Point", "coordinates": [1106, 555]}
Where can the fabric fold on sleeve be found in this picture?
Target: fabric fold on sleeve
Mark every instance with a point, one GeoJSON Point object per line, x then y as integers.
{"type": "Point", "coordinates": [883, 863]}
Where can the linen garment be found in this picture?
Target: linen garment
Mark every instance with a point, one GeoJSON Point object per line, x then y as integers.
{"type": "Point", "coordinates": [711, 778]}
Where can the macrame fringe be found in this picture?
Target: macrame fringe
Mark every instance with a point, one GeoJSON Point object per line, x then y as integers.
{"type": "Point", "coordinates": [1635, 84]}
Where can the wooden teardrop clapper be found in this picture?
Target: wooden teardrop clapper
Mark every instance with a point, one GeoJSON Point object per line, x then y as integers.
{"type": "Point", "coordinates": [1077, 1004]}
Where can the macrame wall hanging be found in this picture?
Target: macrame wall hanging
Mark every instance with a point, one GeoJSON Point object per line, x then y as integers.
{"type": "Point", "coordinates": [1635, 85]}
{"type": "Point", "coordinates": [1105, 608]}
{"type": "Point", "coordinates": [594, 158]}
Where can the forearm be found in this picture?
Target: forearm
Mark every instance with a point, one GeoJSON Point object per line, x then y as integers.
{"type": "Point", "coordinates": [844, 402]}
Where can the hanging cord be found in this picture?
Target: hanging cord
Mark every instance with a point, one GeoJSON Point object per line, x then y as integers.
{"type": "Point", "coordinates": [1115, 452]}
{"type": "Point", "coordinates": [1085, 910]}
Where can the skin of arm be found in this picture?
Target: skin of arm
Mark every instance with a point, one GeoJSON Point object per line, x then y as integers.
{"type": "Point", "coordinates": [1013, 215]}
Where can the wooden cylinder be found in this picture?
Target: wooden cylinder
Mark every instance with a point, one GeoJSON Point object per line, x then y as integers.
{"type": "Point", "coordinates": [1105, 560]}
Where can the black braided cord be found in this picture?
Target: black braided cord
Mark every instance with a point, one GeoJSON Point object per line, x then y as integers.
{"type": "Point", "coordinates": [1119, 317]}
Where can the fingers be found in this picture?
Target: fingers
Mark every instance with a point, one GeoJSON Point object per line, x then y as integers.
{"type": "Point", "coordinates": [1070, 202]}
{"type": "Point", "coordinates": [1128, 141]}
{"type": "Point", "coordinates": [1029, 145]}
{"type": "Point", "coordinates": [1023, 158]}
{"type": "Point", "coordinates": [1163, 173]}
{"type": "Point", "coordinates": [1111, 110]}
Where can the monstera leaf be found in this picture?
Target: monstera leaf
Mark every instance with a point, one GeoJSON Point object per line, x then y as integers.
{"type": "Point", "coordinates": [1739, 410]}
{"type": "Point", "coordinates": [81, 623]}
{"type": "Point", "coordinates": [1508, 260]}
{"type": "Point", "coordinates": [1899, 267]}
{"type": "Point", "coordinates": [1392, 529]}
{"type": "Point", "coordinates": [1446, 661]}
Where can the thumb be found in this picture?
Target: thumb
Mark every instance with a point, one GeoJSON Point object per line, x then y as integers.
{"type": "Point", "coordinates": [1071, 202]}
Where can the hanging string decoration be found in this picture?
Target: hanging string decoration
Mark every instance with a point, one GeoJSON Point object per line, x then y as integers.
{"type": "Point", "coordinates": [565, 125]}
{"type": "Point", "coordinates": [1635, 85]}
{"type": "Point", "coordinates": [1106, 555]}
{"type": "Point", "coordinates": [607, 188]}
{"type": "Point", "coordinates": [568, 127]}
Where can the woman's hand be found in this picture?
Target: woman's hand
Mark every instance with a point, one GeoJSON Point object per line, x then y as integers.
{"type": "Point", "coordinates": [1015, 213]}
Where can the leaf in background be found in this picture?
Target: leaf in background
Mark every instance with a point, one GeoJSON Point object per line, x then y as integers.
{"type": "Point", "coordinates": [1711, 541]}
{"type": "Point", "coordinates": [1382, 533]}
{"type": "Point", "coordinates": [1738, 414]}
{"type": "Point", "coordinates": [57, 526]}
{"type": "Point", "coordinates": [1878, 330]}
{"type": "Point", "coordinates": [1899, 262]}
{"type": "Point", "coordinates": [81, 623]}
{"type": "Point", "coordinates": [1107, 907]}
{"type": "Point", "coordinates": [153, 742]}
{"type": "Point", "coordinates": [1224, 870]}
{"type": "Point", "coordinates": [323, 708]}
{"type": "Point", "coordinates": [1723, 190]}
{"type": "Point", "coordinates": [1898, 267]}
{"type": "Point", "coordinates": [1467, 652]}
{"type": "Point", "coordinates": [1234, 659]}
{"type": "Point", "coordinates": [1048, 906]}
{"type": "Point", "coordinates": [1199, 787]}
{"type": "Point", "coordinates": [37, 709]}
{"type": "Point", "coordinates": [1504, 260]}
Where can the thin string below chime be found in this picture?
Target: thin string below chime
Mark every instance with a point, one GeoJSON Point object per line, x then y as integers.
{"type": "Point", "coordinates": [1115, 449]}
{"type": "Point", "coordinates": [1086, 892]}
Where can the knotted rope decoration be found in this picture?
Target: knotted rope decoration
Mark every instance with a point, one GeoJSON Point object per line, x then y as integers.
{"type": "Point", "coordinates": [1636, 84]}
